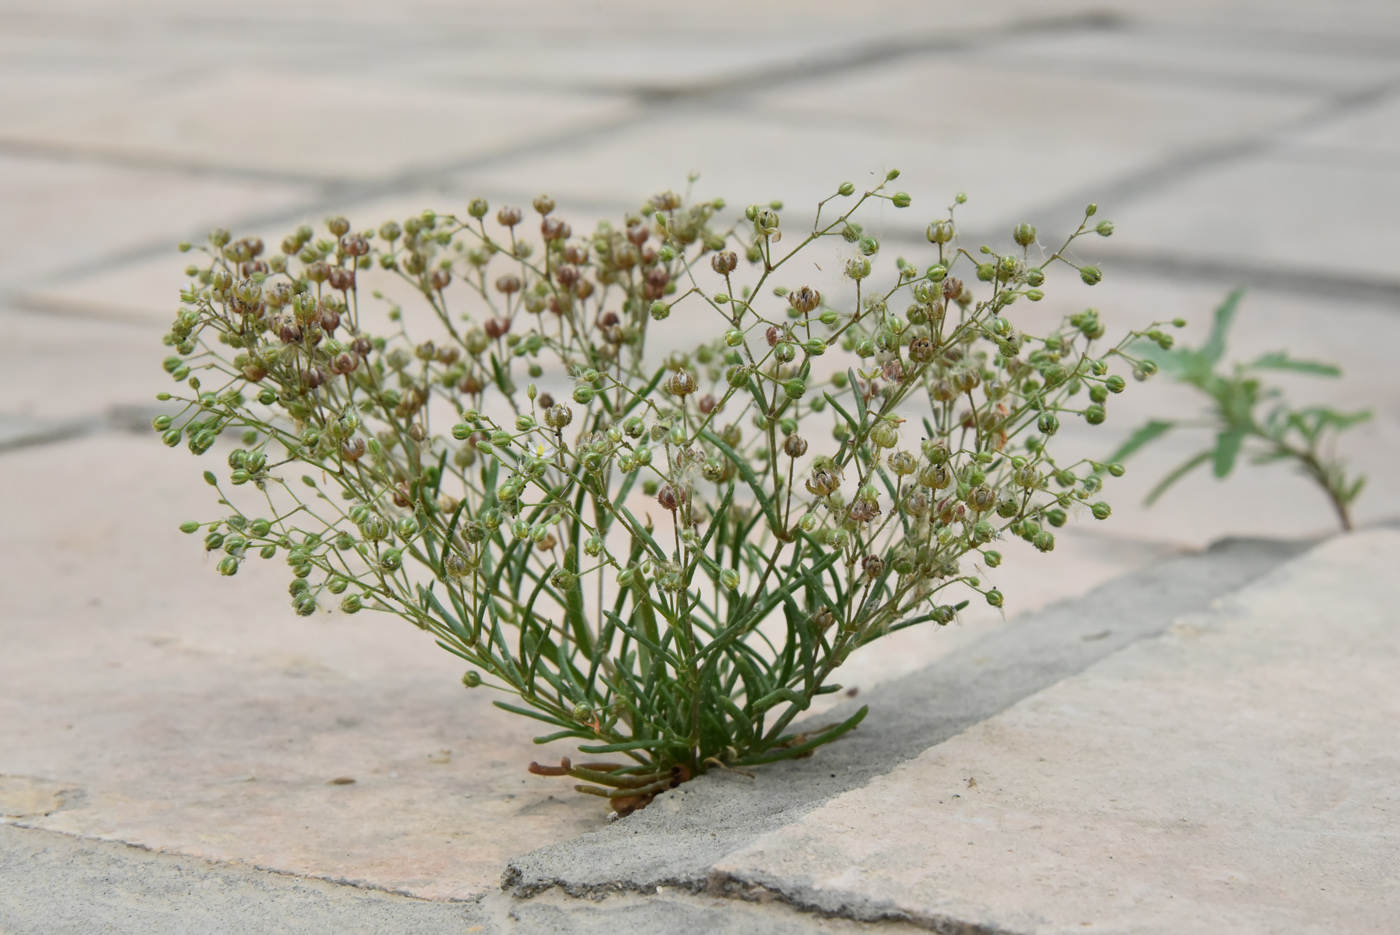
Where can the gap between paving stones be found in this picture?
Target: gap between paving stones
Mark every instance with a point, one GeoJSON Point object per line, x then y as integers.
{"type": "Point", "coordinates": [56, 884]}
{"type": "Point", "coordinates": [340, 194]}
{"type": "Point", "coordinates": [676, 842]}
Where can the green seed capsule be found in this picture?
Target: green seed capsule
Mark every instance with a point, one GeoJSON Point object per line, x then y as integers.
{"type": "Point", "coordinates": [228, 566]}
{"type": "Point", "coordinates": [471, 678]}
{"type": "Point", "coordinates": [1101, 510]}
{"type": "Point", "coordinates": [992, 558]}
{"type": "Point", "coordinates": [994, 597]}
{"type": "Point", "coordinates": [351, 604]}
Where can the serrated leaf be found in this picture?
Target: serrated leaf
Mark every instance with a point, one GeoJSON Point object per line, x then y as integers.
{"type": "Point", "coordinates": [1279, 360]}
{"type": "Point", "coordinates": [1227, 449]}
{"type": "Point", "coordinates": [1214, 348]}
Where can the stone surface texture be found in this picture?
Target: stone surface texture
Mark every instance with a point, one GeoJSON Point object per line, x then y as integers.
{"type": "Point", "coordinates": [147, 703]}
{"type": "Point", "coordinates": [1237, 773]}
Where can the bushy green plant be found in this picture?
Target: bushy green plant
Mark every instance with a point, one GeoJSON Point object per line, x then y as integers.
{"type": "Point", "coordinates": [663, 556]}
{"type": "Point", "coordinates": [1248, 417]}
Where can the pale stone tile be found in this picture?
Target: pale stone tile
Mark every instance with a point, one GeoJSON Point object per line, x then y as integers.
{"type": "Point", "coordinates": [317, 126]}
{"type": "Point", "coordinates": [194, 713]}
{"type": "Point", "coordinates": [986, 98]}
{"type": "Point", "coordinates": [1197, 57]}
{"type": "Point", "coordinates": [1230, 774]}
{"type": "Point", "coordinates": [1293, 211]}
{"type": "Point", "coordinates": [55, 369]}
{"type": "Point", "coordinates": [747, 158]}
{"type": "Point", "coordinates": [1372, 132]}
{"type": "Point", "coordinates": [60, 215]}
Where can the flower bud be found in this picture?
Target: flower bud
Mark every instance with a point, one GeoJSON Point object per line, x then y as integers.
{"type": "Point", "coordinates": [1094, 414]}
{"type": "Point", "coordinates": [729, 579]}
{"type": "Point", "coordinates": [1104, 229]}
{"type": "Point", "coordinates": [994, 598]}
{"type": "Point", "coordinates": [1091, 275]}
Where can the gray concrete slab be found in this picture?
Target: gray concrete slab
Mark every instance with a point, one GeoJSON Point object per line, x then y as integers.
{"type": "Point", "coordinates": [55, 884]}
{"type": "Point", "coordinates": [1235, 773]}
{"type": "Point", "coordinates": [679, 839]}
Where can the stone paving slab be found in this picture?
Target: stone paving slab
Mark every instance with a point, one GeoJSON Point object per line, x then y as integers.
{"type": "Point", "coordinates": [416, 126]}
{"type": "Point", "coordinates": [60, 885]}
{"type": "Point", "coordinates": [1237, 772]}
{"type": "Point", "coordinates": [63, 216]}
{"type": "Point", "coordinates": [679, 840]}
{"type": "Point", "coordinates": [182, 711]}
{"type": "Point", "coordinates": [1217, 57]}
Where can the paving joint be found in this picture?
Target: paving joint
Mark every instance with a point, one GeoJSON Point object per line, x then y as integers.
{"type": "Point", "coordinates": [678, 840]}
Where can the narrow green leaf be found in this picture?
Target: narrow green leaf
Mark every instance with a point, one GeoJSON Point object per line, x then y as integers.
{"type": "Point", "coordinates": [823, 738]}
{"type": "Point", "coordinates": [1177, 474]}
{"type": "Point", "coordinates": [1140, 437]}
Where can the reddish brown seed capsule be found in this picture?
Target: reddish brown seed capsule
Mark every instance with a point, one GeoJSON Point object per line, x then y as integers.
{"type": "Point", "coordinates": [608, 320]}
{"type": "Point", "coordinates": [795, 446]}
{"type": "Point", "coordinates": [638, 234]}
{"type": "Point", "coordinates": [566, 276]}
{"type": "Point", "coordinates": [921, 350]}
{"type": "Point", "coordinates": [344, 363]}
{"type": "Point", "coordinates": [544, 401]}
{"type": "Point", "coordinates": [440, 279]}
{"type": "Point", "coordinates": [353, 449]}
{"type": "Point", "coordinates": [363, 346]}
{"type": "Point", "coordinates": [329, 318]}
{"type": "Point", "coordinates": [772, 335]}
{"type": "Point", "coordinates": [508, 283]}
{"type": "Point", "coordinates": [496, 327]}
{"type": "Point", "coordinates": [341, 278]}
{"type": "Point", "coordinates": [289, 331]}
{"type": "Point", "coordinates": [553, 229]}
{"type": "Point", "coordinates": [509, 217]}
{"type": "Point", "coordinates": [804, 299]}
{"type": "Point", "coordinates": [670, 497]}
{"type": "Point", "coordinates": [724, 262]}
{"type": "Point", "coordinates": [952, 288]}
{"type": "Point", "coordinates": [354, 245]}
{"type": "Point", "coordinates": [707, 404]}
{"type": "Point", "coordinates": [575, 254]}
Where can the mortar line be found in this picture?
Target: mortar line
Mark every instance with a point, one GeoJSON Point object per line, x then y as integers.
{"type": "Point", "coordinates": [340, 193]}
